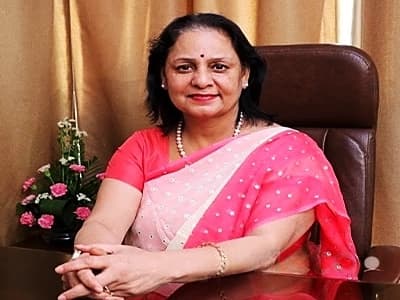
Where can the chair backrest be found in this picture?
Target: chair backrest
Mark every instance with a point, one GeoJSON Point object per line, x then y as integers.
{"type": "Point", "coordinates": [331, 93]}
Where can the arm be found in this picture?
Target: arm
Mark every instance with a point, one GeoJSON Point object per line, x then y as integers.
{"type": "Point", "coordinates": [130, 270]}
{"type": "Point", "coordinates": [116, 200]}
{"type": "Point", "coordinates": [257, 251]}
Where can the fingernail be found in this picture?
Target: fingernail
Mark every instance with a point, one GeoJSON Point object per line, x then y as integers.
{"type": "Point", "coordinates": [62, 297]}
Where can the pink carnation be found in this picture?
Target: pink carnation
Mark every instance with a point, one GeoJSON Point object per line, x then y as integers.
{"type": "Point", "coordinates": [82, 212]}
{"type": "Point", "coordinates": [27, 218]}
{"type": "Point", "coordinates": [28, 183]}
{"type": "Point", "coordinates": [101, 176]}
{"type": "Point", "coordinates": [28, 199]}
{"type": "Point", "coordinates": [46, 221]}
{"type": "Point", "coordinates": [77, 168]}
{"type": "Point", "coordinates": [58, 189]}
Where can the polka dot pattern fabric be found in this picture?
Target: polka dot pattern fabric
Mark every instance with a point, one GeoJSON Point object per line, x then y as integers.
{"type": "Point", "coordinates": [246, 182]}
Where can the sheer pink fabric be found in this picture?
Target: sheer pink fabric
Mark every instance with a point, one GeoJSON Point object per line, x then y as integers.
{"type": "Point", "coordinates": [227, 190]}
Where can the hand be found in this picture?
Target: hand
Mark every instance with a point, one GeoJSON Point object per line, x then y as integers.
{"type": "Point", "coordinates": [126, 271]}
{"type": "Point", "coordinates": [93, 290]}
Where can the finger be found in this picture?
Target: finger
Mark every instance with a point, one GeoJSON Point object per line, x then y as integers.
{"type": "Point", "coordinates": [88, 279]}
{"type": "Point", "coordinates": [83, 262]}
{"type": "Point", "coordinates": [72, 259]}
{"type": "Point", "coordinates": [65, 285]}
{"type": "Point", "coordinates": [98, 251]}
{"type": "Point", "coordinates": [106, 279]}
{"type": "Point", "coordinates": [102, 296]}
{"type": "Point", "coordinates": [77, 291]}
{"type": "Point", "coordinates": [82, 291]}
{"type": "Point", "coordinates": [108, 248]}
{"type": "Point", "coordinates": [70, 280]}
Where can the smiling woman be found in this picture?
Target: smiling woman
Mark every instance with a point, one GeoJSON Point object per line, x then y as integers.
{"type": "Point", "coordinates": [215, 188]}
{"type": "Point", "coordinates": [205, 88]}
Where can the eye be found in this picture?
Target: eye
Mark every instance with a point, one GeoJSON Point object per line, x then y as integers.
{"type": "Point", "coordinates": [219, 67]}
{"type": "Point", "coordinates": [184, 68]}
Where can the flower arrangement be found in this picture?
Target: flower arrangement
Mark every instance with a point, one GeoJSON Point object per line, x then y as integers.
{"type": "Point", "coordinates": [63, 193]}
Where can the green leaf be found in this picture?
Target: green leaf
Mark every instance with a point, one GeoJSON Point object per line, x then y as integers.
{"type": "Point", "coordinates": [52, 206]}
{"type": "Point", "coordinates": [20, 209]}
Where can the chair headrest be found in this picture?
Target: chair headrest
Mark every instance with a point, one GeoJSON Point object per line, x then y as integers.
{"type": "Point", "coordinates": [320, 85]}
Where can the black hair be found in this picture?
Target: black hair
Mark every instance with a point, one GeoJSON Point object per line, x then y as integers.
{"type": "Point", "coordinates": [160, 108]}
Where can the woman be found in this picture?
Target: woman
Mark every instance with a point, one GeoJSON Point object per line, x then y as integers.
{"type": "Point", "coordinates": [216, 188]}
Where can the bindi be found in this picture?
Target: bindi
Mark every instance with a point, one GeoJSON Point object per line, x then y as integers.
{"type": "Point", "coordinates": [201, 55]}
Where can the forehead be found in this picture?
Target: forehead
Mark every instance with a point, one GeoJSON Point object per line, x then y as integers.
{"type": "Point", "coordinates": [202, 41]}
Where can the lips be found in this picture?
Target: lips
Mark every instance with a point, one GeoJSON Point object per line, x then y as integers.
{"type": "Point", "coordinates": [203, 97]}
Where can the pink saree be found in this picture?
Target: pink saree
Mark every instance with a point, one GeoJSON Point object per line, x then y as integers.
{"type": "Point", "coordinates": [225, 191]}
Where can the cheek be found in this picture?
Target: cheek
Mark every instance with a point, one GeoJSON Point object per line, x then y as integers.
{"type": "Point", "coordinates": [176, 88]}
{"type": "Point", "coordinates": [229, 85]}
{"type": "Point", "coordinates": [177, 83]}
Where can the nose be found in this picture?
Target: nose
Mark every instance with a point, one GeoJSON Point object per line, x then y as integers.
{"type": "Point", "coordinates": [202, 78]}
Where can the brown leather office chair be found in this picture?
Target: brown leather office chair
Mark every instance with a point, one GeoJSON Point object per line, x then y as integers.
{"type": "Point", "coordinates": [331, 93]}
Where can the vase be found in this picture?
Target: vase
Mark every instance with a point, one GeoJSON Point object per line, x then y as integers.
{"type": "Point", "coordinates": [62, 239]}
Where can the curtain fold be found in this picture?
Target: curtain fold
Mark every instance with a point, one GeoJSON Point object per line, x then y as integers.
{"type": "Point", "coordinates": [294, 21]}
{"type": "Point", "coordinates": [109, 42]}
{"type": "Point", "coordinates": [381, 39]}
{"type": "Point", "coordinates": [349, 20]}
{"type": "Point", "coordinates": [34, 95]}
{"type": "Point", "coordinates": [110, 51]}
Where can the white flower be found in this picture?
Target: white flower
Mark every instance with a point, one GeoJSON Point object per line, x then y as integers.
{"type": "Point", "coordinates": [70, 158]}
{"type": "Point", "coordinates": [66, 123]}
{"type": "Point", "coordinates": [81, 133]}
{"type": "Point", "coordinates": [44, 169]}
{"type": "Point", "coordinates": [63, 161]}
{"type": "Point", "coordinates": [82, 196]}
{"type": "Point", "coordinates": [42, 196]}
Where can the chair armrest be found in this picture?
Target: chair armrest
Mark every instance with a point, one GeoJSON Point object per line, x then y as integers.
{"type": "Point", "coordinates": [382, 264]}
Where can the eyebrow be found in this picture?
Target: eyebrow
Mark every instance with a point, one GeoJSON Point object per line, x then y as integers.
{"type": "Point", "coordinates": [193, 59]}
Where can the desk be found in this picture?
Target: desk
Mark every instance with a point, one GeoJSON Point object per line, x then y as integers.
{"type": "Point", "coordinates": [28, 274]}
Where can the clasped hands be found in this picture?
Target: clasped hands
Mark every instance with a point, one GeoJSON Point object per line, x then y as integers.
{"type": "Point", "coordinates": [109, 272]}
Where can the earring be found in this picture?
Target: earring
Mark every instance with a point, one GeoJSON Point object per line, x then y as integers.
{"type": "Point", "coordinates": [245, 85]}
{"type": "Point", "coordinates": [163, 85]}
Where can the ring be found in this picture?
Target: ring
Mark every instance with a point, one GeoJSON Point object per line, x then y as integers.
{"type": "Point", "coordinates": [107, 290]}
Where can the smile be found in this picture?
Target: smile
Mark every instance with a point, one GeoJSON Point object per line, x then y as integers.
{"type": "Point", "coordinates": [203, 97]}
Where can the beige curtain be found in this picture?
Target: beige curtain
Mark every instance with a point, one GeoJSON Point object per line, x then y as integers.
{"type": "Point", "coordinates": [101, 46]}
{"type": "Point", "coordinates": [33, 96]}
{"type": "Point", "coordinates": [109, 47]}
{"type": "Point", "coordinates": [381, 39]}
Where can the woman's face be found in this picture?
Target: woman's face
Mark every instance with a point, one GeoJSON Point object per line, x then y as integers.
{"type": "Point", "coordinates": [203, 74]}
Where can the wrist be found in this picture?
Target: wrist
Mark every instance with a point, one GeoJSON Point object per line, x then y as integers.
{"type": "Point", "coordinates": [194, 264]}
{"type": "Point", "coordinates": [223, 259]}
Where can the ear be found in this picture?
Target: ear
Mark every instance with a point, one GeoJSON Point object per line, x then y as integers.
{"type": "Point", "coordinates": [245, 77]}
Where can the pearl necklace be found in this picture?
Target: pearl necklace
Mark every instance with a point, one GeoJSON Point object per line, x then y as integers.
{"type": "Point", "coordinates": [179, 130]}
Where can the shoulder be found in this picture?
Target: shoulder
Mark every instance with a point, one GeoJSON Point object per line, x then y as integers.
{"type": "Point", "coordinates": [279, 134]}
{"type": "Point", "coordinates": [290, 136]}
{"type": "Point", "coordinates": [148, 133]}
{"type": "Point", "coordinates": [286, 145]}
{"type": "Point", "coordinates": [148, 136]}
{"type": "Point", "coordinates": [145, 141]}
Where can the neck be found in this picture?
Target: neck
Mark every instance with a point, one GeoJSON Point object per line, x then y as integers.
{"type": "Point", "coordinates": [180, 129]}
